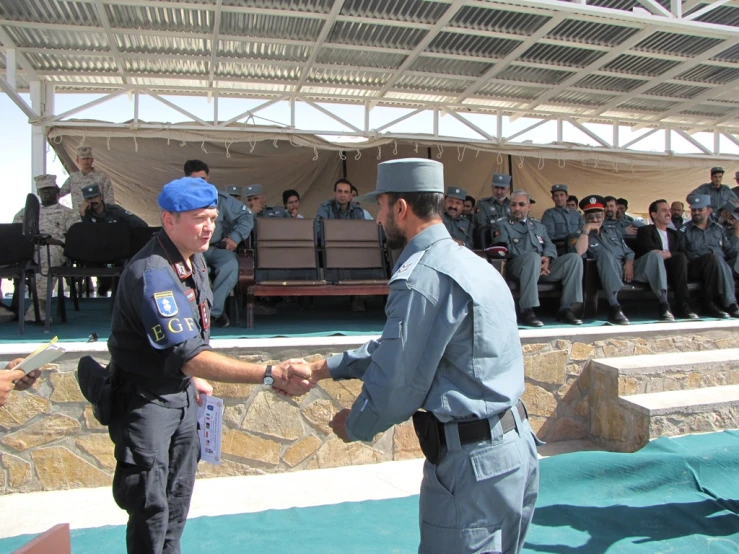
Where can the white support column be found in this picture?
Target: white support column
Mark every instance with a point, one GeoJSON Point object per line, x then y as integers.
{"type": "Point", "coordinates": [560, 130]}
{"type": "Point", "coordinates": [717, 143]}
{"type": "Point", "coordinates": [10, 67]}
{"type": "Point", "coordinates": [616, 138]}
{"type": "Point", "coordinates": [668, 140]}
{"type": "Point", "coordinates": [38, 139]}
{"type": "Point", "coordinates": [215, 110]}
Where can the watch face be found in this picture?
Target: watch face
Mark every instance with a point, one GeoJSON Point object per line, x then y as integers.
{"type": "Point", "coordinates": [269, 380]}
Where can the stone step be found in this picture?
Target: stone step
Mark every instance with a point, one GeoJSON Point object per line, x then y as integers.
{"type": "Point", "coordinates": [680, 412]}
{"type": "Point", "coordinates": [654, 373]}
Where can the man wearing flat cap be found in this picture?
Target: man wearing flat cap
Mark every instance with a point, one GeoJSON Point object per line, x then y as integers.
{"type": "Point", "coordinates": [87, 175]}
{"type": "Point", "coordinates": [450, 346]}
{"type": "Point", "coordinates": [492, 208]}
{"type": "Point", "coordinates": [234, 192]}
{"type": "Point", "coordinates": [718, 193]}
{"type": "Point", "coordinates": [533, 259]}
{"type": "Point", "coordinates": [54, 222]}
{"type": "Point", "coordinates": [233, 225]}
{"type": "Point", "coordinates": [256, 200]}
{"type": "Point", "coordinates": [705, 244]}
{"type": "Point", "coordinates": [459, 227]}
{"type": "Point", "coordinates": [615, 260]}
{"type": "Point", "coordinates": [560, 221]}
{"type": "Point", "coordinates": [160, 358]}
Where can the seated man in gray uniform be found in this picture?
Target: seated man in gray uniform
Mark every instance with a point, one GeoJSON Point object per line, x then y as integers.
{"type": "Point", "coordinates": [94, 209]}
{"type": "Point", "coordinates": [612, 221]}
{"type": "Point", "coordinates": [450, 347]}
{"type": "Point", "coordinates": [626, 220]}
{"type": "Point", "coordinates": [234, 192]}
{"type": "Point", "coordinates": [703, 236]}
{"type": "Point", "coordinates": [256, 201]}
{"type": "Point", "coordinates": [491, 209]}
{"type": "Point", "coordinates": [459, 227]}
{"type": "Point", "coordinates": [341, 207]}
{"type": "Point", "coordinates": [718, 193]}
{"type": "Point", "coordinates": [615, 261]}
{"type": "Point", "coordinates": [728, 218]}
{"type": "Point", "coordinates": [560, 221]}
{"type": "Point", "coordinates": [533, 259]}
{"type": "Point", "coordinates": [233, 225]}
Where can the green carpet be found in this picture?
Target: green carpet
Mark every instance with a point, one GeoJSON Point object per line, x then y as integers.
{"type": "Point", "coordinates": [677, 496]}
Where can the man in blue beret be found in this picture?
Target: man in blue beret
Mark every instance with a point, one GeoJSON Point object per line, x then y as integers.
{"type": "Point", "coordinates": [233, 225]}
{"type": "Point", "coordinates": [450, 346]}
{"type": "Point", "coordinates": [705, 241]}
{"type": "Point", "coordinates": [160, 358]}
{"type": "Point", "coordinates": [492, 208]}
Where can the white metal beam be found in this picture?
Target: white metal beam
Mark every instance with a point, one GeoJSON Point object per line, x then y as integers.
{"type": "Point", "coordinates": [640, 138]}
{"type": "Point", "coordinates": [90, 104]}
{"type": "Point", "coordinates": [655, 8]}
{"type": "Point", "coordinates": [176, 107]}
{"type": "Point", "coordinates": [732, 138]}
{"type": "Point", "coordinates": [325, 30]}
{"type": "Point", "coordinates": [112, 44]}
{"type": "Point", "coordinates": [399, 119]}
{"type": "Point", "coordinates": [472, 126]}
{"type": "Point", "coordinates": [214, 42]}
{"type": "Point", "coordinates": [20, 58]}
{"type": "Point", "coordinates": [704, 10]}
{"type": "Point", "coordinates": [692, 141]}
{"type": "Point", "coordinates": [526, 130]}
{"type": "Point", "coordinates": [10, 67]}
{"type": "Point", "coordinates": [17, 99]}
{"type": "Point", "coordinates": [253, 110]}
{"type": "Point", "coordinates": [38, 135]}
{"type": "Point", "coordinates": [331, 115]}
{"type": "Point", "coordinates": [588, 132]}
{"type": "Point", "coordinates": [542, 31]}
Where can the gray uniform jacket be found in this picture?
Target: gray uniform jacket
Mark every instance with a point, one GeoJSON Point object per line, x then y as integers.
{"type": "Point", "coordinates": [274, 211]}
{"type": "Point", "coordinates": [459, 228]}
{"type": "Point", "coordinates": [450, 344]}
{"type": "Point", "coordinates": [719, 197]}
{"type": "Point", "coordinates": [488, 211]}
{"type": "Point", "coordinates": [115, 214]}
{"type": "Point", "coordinates": [712, 240]}
{"type": "Point", "coordinates": [561, 222]}
{"type": "Point", "coordinates": [524, 236]}
{"type": "Point", "coordinates": [330, 209]}
{"type": "Point", "coordinates": [608, 241]}
{"type": "Point", "coordinates": [235, 220]}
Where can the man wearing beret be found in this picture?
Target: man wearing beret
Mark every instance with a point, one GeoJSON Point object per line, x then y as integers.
{"type": "Point", "coordinates": [718, 193]}
{"type": "Point", "coordinates": [491, 209]}
{"type": "Point", "coordinates": [459, 227]}
{"type": "Point", "coordinates": [160, 358]}
{"type": "Point", "coordinates": [54, 222]}
{"type": "Point", "coordinates": [256, 201]}
{"type": "Point", "coordinates": [233, 225]}
{"type": "Point", "coordinates": [704, 238]}
{"type": "Point", "coordinates": [437, 353]}
{"type": "Point", "coordinates": [615, 261]}
{"type": "Point", "coordinates": [533, 259]}
{"type": "Point", "coordinates": [560, 221]}
{"type": "Point", "coordinates": [87, 175]}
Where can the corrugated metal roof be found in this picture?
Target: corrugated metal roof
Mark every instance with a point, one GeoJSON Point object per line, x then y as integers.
{"type": "Point", "coordinates": [481, 57]}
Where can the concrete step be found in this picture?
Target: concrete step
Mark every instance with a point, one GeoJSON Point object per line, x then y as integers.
{"type": "Point", "coordinates": [680, 412]}
{"type": "Point", "coordinates": [635, 399]}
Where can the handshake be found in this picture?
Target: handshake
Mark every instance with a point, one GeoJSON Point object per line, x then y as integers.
{"type": "Point", "coordinates": [294, 377]}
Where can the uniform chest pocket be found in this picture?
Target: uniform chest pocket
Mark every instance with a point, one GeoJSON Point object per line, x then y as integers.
{"type": "Point", "coordinates": [393, 329]}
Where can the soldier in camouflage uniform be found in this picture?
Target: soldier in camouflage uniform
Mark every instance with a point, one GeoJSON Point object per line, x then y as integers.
{"type": "Point", "coordinates": [87, 175]}
{"type": "Point", "coordinates": [54, 221]}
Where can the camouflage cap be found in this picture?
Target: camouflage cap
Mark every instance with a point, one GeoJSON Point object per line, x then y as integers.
{"type": "Point", "coordinates": [45, 181]}
{"type": "Point", "coordinates": [84, 152]}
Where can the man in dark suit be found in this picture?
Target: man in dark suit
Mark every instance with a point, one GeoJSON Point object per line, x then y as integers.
{"type": "Point", "coordinates": [668, 243]}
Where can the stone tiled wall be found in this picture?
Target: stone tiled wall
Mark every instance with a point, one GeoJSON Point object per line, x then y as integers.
{"type": "Point", "coordinates": [49, 439]}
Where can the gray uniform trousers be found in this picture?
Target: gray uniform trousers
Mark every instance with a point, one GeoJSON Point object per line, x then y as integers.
{"type": "Point", "coordinates": [728, 292]}
{"type": "Point", "coordinates": [526, 269]}
{"type": "Point", "coordinates": [226, 266]}
{"type": "Point", "coordinates": [498, 482]}
{"type": "Point", "coordinates": [157, 451]}
{"type": "Point", "coordinates": [649, 269]}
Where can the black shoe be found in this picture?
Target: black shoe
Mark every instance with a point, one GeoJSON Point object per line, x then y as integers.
{"type": "Point", "coordinates": [221, 321]}
{"type": "Point", "coordinates": [616, 316]}
{"type": "Point", "coordinates": [733, 310]}
{"type": "Point", "coordinates": [665, 315]}
{"type": "Point", "coordinates": [686, 313]}
{"type": "Point", "coordinates": [529, 319]}
{"type": "Point", "coordinates": [566, 316]}
{"type": "Point", "coordinates": [711, 310]}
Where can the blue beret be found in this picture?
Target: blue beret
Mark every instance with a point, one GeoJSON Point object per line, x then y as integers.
{"type": "Point", "coordinates": [501, 180]}
{"type": "Point", "coordinates": [186, 194]}
{"type": "Point", "coordinates": [699, 200]}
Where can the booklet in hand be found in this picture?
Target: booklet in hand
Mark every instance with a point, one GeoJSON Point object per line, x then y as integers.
{"type": "Point", "coordinates": [45, 354]}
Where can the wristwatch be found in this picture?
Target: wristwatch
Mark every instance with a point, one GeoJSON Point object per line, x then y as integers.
{"type": "Point", "coordinates": [268, 379]}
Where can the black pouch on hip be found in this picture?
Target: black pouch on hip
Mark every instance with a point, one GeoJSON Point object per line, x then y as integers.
{"type": "Point", "coordinates": [428, 432]}
{"type": "Point", "coordinates": [96, 384]}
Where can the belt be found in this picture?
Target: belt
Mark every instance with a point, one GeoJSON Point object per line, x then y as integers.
{"type": "Point", "coordinates": [479, 429]}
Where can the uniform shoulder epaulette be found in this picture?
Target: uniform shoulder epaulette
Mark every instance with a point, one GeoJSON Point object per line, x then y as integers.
{"type": "Point", "coordinates": [405, 270]}
{"type": "Point", "coordinates": [534, 220]}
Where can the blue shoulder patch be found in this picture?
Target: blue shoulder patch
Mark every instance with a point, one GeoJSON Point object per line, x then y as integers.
{"type": "Point", "coordinates": [405, 270]}
{"type": "Point", "coordinates": [165, 311]}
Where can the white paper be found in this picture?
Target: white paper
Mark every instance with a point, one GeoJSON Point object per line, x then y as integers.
{"type": "Point", "coordinates": [210, 421]}
{"type": "Point", "coordinates": [45, 354]}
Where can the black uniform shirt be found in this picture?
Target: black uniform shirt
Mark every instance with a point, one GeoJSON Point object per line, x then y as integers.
{"type": "Point", "coordinates": [115, 214]}
{"type": "Point", "coordinates": [161, 319]}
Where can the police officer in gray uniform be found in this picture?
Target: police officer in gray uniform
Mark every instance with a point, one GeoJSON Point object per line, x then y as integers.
{"type": "Point", "coordinates": [560, 221]}
{"type": "Point", "coordinates": [735, 190]}
{"type": "Point", "coordinates": [160, 356]}
{"type": "Point", "coordinates": [255, 199]}
{"type": "Point", "coordinates": [342, 206]}
{"type": "Point", "coordinates": [234, 192]}
{"type": "Point", "coordinates": [437, 352]}
{"type": "Point", "coordinates": [727, 218]}
{"type": "Point", "coordinates": [703, 235]}
{"type": "Point", "coordinates": [615, 261]}
{"type": "Point", "coordinates": [491, 209]}
{"type": "Point", "coordinates": [533, 259]}
{"type": "Point", "coordinates": [718, 193]}
{"type": "Point", "coordinates": [459, 227]}
{"type": "Point", "coordinates": [95, 210]}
